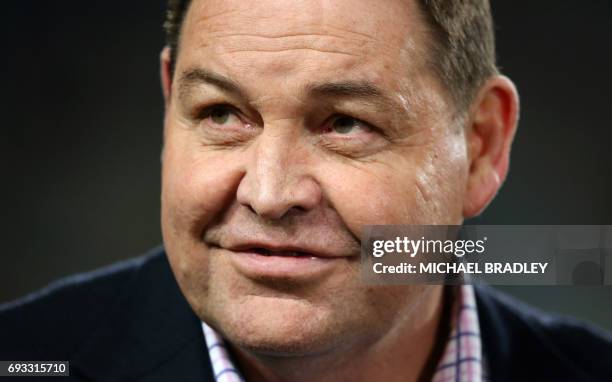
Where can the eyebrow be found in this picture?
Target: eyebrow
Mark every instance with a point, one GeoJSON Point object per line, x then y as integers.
{"type": "Point", "coordinates": [346, 89]}
{"type": "Point", "coordinates": [194, 77]}
{"type": "Point", "coordinates": [360, 90]}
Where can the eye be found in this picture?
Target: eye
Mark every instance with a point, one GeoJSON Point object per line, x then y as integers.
{"type": "Point", "coordinates": [351, 137]}
{"type": "Point", "coordinates": [346, 125]}
{"type": "Point", "coordinates": [221, 115]}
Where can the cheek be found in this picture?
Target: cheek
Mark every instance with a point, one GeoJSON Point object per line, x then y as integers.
{"type": "Point", "coordinates": [442, 180]}
{"type": "Point", "coordinates": [371, 194]}
{"type": "Point", "coordinates": [196, 187]}
{"type": "Point", "coordinates": [412, 189]}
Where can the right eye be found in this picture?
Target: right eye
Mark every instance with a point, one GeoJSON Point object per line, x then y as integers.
{"type": "Point", "coordinates": [221, 116]}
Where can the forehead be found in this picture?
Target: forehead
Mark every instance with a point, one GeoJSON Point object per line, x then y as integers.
{"type": "Point", "coordinates": [293, 41]}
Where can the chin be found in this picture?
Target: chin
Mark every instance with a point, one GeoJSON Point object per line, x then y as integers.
{"type": "Point", "coordinates": [273, 326]}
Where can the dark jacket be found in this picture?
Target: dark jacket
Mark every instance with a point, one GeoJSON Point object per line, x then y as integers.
{"type": "Point", "coordinates": [131, 322]}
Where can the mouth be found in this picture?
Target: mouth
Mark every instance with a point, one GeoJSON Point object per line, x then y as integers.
{"type": "Point", "coordinates": [269, 252]}
{"type": "Point", "coordinates": [288, 263]}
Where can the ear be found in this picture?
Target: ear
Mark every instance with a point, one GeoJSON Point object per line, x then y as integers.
{"type": "Point", "coordinates": [492, 127]}
{"type": "Point", "coordinates": [165, 73]}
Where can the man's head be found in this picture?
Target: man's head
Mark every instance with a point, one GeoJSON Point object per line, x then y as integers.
{"type": "Point", "coordinates": [289, 126]}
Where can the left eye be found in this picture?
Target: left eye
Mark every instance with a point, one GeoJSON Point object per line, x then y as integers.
{"type": "Point", "coordinates": [346, 125]}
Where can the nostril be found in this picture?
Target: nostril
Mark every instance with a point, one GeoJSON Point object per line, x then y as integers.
{"type": "Point", "coordinates": [299, 208]}
{"type": "Point", "coordinates": [251, 209]}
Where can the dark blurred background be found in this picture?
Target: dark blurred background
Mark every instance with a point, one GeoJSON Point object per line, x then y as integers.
{"type": "Point", "coordinates": [81, 116]}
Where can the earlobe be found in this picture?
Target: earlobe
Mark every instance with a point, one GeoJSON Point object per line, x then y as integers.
{"type": "Point", "coordinates": [165, 73]}
{"type": "Point", "coordinates": [493, 125]}
{"type": "Point", "coordinates": [483, 184]}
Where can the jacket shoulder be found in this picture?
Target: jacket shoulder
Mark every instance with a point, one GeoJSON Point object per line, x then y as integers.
{"type": "Point", "coordinates": [520, 342]}
{"type": "Point", "coordinates": [58, 318]}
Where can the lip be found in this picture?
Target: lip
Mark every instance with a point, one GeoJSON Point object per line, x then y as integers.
{"type": "Point", "coordinates": [278, 264]}
{"type": "Point", "coordinates": [276, 248]}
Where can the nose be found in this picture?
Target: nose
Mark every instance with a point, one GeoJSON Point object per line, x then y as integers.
{"type": "Point", "coordinates": [277, 179]}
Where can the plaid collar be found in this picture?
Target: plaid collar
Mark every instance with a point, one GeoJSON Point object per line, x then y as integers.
{"type": "Point", "coordinates": [462, 360]}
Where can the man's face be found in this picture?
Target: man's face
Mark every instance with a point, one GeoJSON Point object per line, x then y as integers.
{"type": "Point", "coordinates": [290, 126]}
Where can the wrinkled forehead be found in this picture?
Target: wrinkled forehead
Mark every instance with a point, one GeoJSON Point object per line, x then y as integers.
{"type": "Point", "coordinates": [359, 17]}
{"type": "Point", "coordinates": [346, 33]}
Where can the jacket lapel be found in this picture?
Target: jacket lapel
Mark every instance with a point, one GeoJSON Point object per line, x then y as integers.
{"type": "Point", "coordinates": [150, 334]}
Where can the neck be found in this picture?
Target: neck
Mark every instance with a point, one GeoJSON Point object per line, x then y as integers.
{"type": "Point", "coordinates": [408, 351]}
